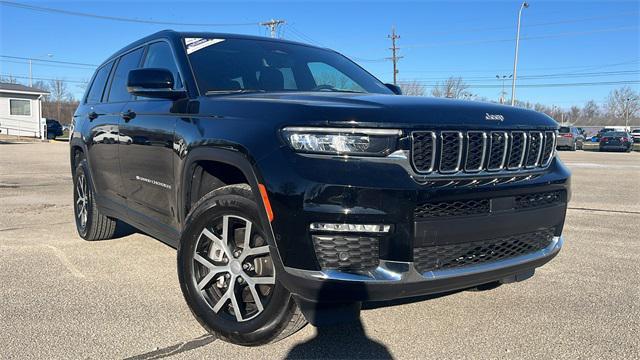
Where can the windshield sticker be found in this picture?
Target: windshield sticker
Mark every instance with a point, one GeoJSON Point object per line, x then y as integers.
{"type": "Point", "coordinates": [195, 44]}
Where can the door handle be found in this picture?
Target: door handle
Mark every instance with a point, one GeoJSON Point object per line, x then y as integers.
{"type": "Point", "coordinates": [128, 115]}
{"type": "Point", "coordinates": [92, 115]}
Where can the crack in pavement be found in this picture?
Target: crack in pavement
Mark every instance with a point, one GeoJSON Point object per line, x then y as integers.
{"type": "Point", "coordinates": [605, 210]}
{"type": "Point", "coordinates": [176, 348]}
{"type": "Point", "coordinates": [31, 226]}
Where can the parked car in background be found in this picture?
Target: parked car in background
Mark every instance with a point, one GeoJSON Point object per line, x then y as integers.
{"type": "Point", "coordinates": [570, 137]}
{"type": "Point", "coordinates": [610, 129]}
{"type": "Point", "coordinates": [54, 129]}
{"type": "Point", "coordinates": [616, 140]}
{"type": "Point", "coordinates": [635, 133]}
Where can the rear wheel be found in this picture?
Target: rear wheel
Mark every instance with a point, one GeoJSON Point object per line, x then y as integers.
{"type": "Point", "coordinates": [90, 223]}
{"type": "Point", "coordinates": [227, 273]}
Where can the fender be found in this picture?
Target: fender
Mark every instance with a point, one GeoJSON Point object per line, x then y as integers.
{"type": "Point", "coordinates": [231, 157]}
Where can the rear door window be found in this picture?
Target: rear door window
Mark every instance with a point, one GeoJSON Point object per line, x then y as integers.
{"type": "Point", "coordinates": [128, 62]}
{"type": "Point", "coordinates": [99, 81]}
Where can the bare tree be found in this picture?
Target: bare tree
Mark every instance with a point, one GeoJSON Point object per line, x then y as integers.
{"type": "Point", "coordinates": [59, 94]}
{"type": "Point", "coordinates": [574, 114]}
{"type": "Point", "coordinates": [623, 103]}
{"type": "Point", "coordinates": [453, 87]}
{"type": "Point", "coordinates": [411, 88]}
{"type": "Point", "coordinates": [8, 79]}
{"type": "Point", "coordinates": [590, 112]}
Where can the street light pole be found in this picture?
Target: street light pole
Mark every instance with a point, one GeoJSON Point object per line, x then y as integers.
{"type": "Point", "coordinates": [503, 93]}
{"type": "Point", "coordinates": [515, 60]}
{"type": "Point", "coordinates": [31, 70]}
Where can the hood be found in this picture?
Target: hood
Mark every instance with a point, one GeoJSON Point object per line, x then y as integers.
{"type": "Point", "coordinates": [338, 109]}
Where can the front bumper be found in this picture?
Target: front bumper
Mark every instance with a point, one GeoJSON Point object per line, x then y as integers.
{"type": "Point", "coordinates": [303, 190]}
{"type": "Point", "coordinates": [395, 280]}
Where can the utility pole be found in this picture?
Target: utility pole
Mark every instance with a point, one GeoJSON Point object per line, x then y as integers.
{"type": "Point", "coordinates": [515, 59]}
{"type": "Point", "coordinates": [394, 54]}
{"type": "Point", "coordinates": [273, 26]}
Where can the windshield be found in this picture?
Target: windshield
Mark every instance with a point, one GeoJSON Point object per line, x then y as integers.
{"type": "Point", "coordinates": [615, 133]}
{"type": "Point", "coordinates": [242, 65]}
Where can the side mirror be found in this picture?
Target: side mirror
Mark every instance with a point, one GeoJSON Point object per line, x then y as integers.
{"type": "Point", "coordinates": [153, 83]}
{"type": "Point", "coordinates": [395, 88]}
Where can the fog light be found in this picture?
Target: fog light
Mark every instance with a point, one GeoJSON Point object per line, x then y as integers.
{"type": "Point", "coordinates": [354, 228]}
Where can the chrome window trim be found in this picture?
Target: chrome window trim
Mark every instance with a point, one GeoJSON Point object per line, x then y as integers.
{"type": "Point", "coordinates": [405, 272]}
{"type": "Point", "coordinates": [434, 139]}
{"type": "Point", "coordinates": [460, 147]}
{"type": "Point", "coordinates": [537, 162]}
{"type": "Point", "coordinates": [505, 150]}
{"type": "Point", "coordinates": [484, 151]}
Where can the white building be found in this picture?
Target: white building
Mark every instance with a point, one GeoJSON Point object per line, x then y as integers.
{"type": "Point", "coordinates": [21, 110]}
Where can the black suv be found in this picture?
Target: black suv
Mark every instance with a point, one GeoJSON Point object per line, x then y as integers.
{"type": "Point", "coordinates": [295, 185]}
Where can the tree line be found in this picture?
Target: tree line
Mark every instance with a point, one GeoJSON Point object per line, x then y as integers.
{"type": "Point", "coordinates": [621, 107]}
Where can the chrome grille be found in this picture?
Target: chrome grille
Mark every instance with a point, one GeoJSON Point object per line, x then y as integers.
{"type": "Point", "coordinates": [451, 152]}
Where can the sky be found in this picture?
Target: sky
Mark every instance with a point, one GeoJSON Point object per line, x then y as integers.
{"type": "Point", "coordinates": [563, 43]}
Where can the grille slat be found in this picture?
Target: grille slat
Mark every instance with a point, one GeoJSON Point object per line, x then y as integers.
{"type": "Point", "coordinates": [517, 147]}
{"type": "Point", "coordinates": [497, 151]}
{"type": "Point", "coordinates": [453, 256]}
{"type": "Point", "coordinates": [534, 149]}
{"type": "Point", "coordinates": [451, 152]}
{"type": "Point", "coordinates": [476, 147]}
{"type": "Point", "coordinates": [424, 152]}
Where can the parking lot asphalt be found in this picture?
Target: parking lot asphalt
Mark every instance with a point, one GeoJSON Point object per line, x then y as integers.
{"type": "Point", "coordinates": [63, 297]}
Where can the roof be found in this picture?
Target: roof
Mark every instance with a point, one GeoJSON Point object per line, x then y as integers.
{"type": "Point", "coordinates": [176, 36]}
{"type": "Point", "coordinates": [20, 89]}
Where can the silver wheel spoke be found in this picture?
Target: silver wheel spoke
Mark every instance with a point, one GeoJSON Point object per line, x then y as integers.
{"type": "Point", "coordinates": [254, 293]}
{"type": "Point", "coordinates": [260, 250]}
{"type": "Point", "coordinates": [222, 243]}
{"type": "Point", "coordinates": [234, 302]}
{"type": "Point", "coordinates": [263, 280]}
{"type": "Point", "coordinates": [224, 297]}
{"type": "Point", "coordinates": [247, 236]}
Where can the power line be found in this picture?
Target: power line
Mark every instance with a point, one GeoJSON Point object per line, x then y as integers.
{"type": "Point", "coordinates": [585, 67]}
{"type": "Point", "coordinates": [44, 79]}
{"type": "Point", "coordinates": [560, 22]}
{"type": "Point", "coordinates": [45, 64]}
{"type": "Point", "coordinates": [549, 85]}
{"type": "Point", "coordinates": [546, 76]}
{"type": "Point", "coordinates": [47, 61]}
{"type": "Point", "coordinates": [114, 18]}
{"type": "Point", "coordinates": [570, 33]}
{"type": "Point", "coordinates": [394, 57]}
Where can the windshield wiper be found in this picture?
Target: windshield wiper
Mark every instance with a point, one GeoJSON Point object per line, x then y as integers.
{"type": "Point", "coordinates": [236, 91]}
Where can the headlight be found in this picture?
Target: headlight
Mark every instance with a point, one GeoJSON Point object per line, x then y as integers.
{"type": "Point", "coordinates": [339, 141]}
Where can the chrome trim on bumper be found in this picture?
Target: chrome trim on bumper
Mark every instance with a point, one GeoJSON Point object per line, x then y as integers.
{"type": "Point", "coordinates": [405, 272]}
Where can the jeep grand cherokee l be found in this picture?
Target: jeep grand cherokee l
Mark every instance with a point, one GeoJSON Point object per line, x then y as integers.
{"type": "Point", "coordinates": [295, 185]}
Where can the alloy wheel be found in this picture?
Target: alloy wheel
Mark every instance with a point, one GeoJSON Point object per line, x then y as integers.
{"type": "Point", "coordinates": [82, 200]}
{"type": "Point", "coordinates": [233, 269]}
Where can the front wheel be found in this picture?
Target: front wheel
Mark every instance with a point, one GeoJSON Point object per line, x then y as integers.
{"type": "Point", "coordinates": [227, 274]}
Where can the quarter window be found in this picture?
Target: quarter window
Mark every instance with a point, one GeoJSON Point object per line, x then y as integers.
{"type": "Point", "coordinates": [128, 62]}
{"type": "Point", "coordinates": [99, 82]}
{"type": "Point", "coordinates": [20, 107]}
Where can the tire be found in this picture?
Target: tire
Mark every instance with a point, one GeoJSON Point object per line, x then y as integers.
{"type": "Point", "coordinates": [214, 242]}
{"type": "Point", "coordinates": [574, 146]}
{"type": "Point", "coordinates": [90, 223]}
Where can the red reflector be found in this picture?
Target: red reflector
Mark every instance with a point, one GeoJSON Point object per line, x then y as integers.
{"type": "Point", "coordinates": [605, 139]}
{"type": "Point", "coordinates": [567, 135]}
{"type": "Point", "coordinates": [625, 139]}
{"type": "Point", "coordinates": [265, 201]}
